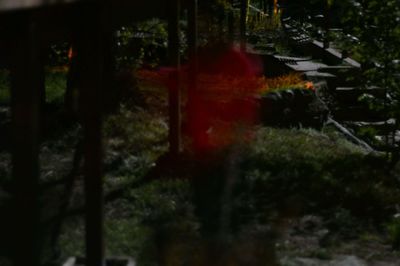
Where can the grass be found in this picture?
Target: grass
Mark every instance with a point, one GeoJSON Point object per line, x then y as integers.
{"type": "Point", "coordinates": [278, 173]}
{"type": "Point", "coordinates": [281, 172]}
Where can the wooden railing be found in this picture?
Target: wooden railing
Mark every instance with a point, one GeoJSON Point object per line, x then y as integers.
{"type": "Point", "coordinates": [32, 24]}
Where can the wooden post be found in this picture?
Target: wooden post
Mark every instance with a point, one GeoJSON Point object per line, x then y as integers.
{"type": "Point", "coordinates": [174, 88]}
{"type": "Point", "coordinates": [26, 83]}
{"type": "Point", "coordinates": [271, 7]}
{"type": "Point", "coordinates": [264, 6]}
{"type": "Point", "coordinates": [243, 22]}
{"type": "Point", "coordinates": [192, 41]}
{"type": "Point", "coordinates": [231, 21]}
{"type": "Point", "coordinates": [92, 51]}
{"type": "Point", "coordinates": [193, 60]}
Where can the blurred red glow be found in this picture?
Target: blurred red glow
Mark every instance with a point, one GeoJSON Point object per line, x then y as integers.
{"type": "Point", "coordinates": [222, 107]}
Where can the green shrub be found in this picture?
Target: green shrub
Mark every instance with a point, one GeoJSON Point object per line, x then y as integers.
{"type": "Point", "coordinates": [326, 173]}
{"type": "Point", "coordinates": [55, 83]}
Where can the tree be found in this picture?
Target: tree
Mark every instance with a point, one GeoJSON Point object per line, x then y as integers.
{"type": "Point", "coordinates": [375, 27]}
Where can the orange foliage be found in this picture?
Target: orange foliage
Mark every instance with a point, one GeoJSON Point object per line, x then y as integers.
{"type": "Point", "coordinates": [291, 80]}
{"type": "Point", "coordinates": [223, 107]}
{"type": "Point", "coordinates": [225, 87]}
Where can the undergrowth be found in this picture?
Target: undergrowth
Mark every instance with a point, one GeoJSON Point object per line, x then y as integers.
{"type": "Point", "coordinates": [237, 193]}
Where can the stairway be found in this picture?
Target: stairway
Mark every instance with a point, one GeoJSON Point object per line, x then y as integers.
{"type": "Point", "coordinates": [343, 77]}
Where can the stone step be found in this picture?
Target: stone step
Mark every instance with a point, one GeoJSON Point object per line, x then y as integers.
{"type": "Point", "coordinates": [272, 66]}
{"type": "Point", "coordinates": [340, 70]}
{"type": "Point", "coordinates": [391, 144]}
{"type": "Point", "coordinates": [346, 76]}
{"type": "Point", "coordinates": [382, 139]}
{"type": "Point", "coordinates": [351, 95]}
{"type": "Point", "coordinates": [316, 76]}
{"type": "Point", "coordinates": [344, 81]}
{"type": "Point", "coordinates": [288, 59]}
{"type": "Point", "coordinates": [303, 66]}
{"type": "Point", "coordinates": [358, 114]}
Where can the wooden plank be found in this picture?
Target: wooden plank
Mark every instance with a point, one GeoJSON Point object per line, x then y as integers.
{"type": "Point", "coordinates": [12, 5]}
{"type": "Point", "coordinates": [26, 82]}
{"type": "Point", "coordinates": [123, 11]}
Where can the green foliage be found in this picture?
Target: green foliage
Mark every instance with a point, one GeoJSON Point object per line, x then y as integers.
{"type": "Point", "coordinates": [142, 43]}
{"type": "Point", "coordinates": [55, 82]}
{"type": "Point", "coordinates": [374, 24]}
{"type": "Point", "coordinates": [367, 133]}
{"type": "Point", "coordinates": [72, 240]}
{"type": "Point", "coordinates": [165, 204]}
{"type": "Point", "coordinates": [136, 130]}
{"type": "Point", "coordinates": [125, 236]}
{"type": "Point", "coordinates": [158, 213]}
{"type": "Point", "coordinates": [4, 87]}
{"type": "Point", "coordinates": [372, 102]}
{"type": "Point", "coordinates": [393, 229]}
{"type": "Point", "coordinates": [375, 30]}
{"type": "Point", "coordinates": [58, 54]}
{"type": "Point", "coordinates": [316, 168]}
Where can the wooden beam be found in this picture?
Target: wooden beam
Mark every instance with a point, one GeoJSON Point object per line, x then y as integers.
{"type": "Point", "coordinates": [231, 22]}
{"type": "Point", "coordinates": [26, 84]}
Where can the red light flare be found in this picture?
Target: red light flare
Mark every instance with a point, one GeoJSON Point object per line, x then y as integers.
{"type": "Point", "coordinates": [71, 53]}
{"type": "Point", "coordinates": [220, 110]}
